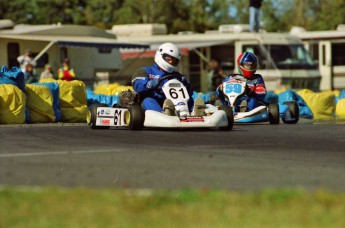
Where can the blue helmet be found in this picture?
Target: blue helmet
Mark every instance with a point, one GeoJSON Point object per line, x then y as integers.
{"type": "Point", "coordinates": [247, 64]}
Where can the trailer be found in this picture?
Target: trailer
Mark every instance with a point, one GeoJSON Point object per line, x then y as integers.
{"type": "Point", "coordinates": [94, 53]}
{"type": "Point", "coordinates": [283, 59]}
{"type": "Point", "coordinates": [327, 48]}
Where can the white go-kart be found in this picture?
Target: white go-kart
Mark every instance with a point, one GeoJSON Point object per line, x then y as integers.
{"type": "Point", "coordinates": [236, 87]}
{"type": "Point", "coordinates": [133, 117]}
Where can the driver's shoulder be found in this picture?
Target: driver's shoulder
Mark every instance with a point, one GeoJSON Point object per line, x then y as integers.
{"type": "Point", "coordinates": [140, 72]}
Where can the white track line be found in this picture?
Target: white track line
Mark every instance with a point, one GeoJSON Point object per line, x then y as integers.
{"type": "Point", "coordinates": [59, 153]}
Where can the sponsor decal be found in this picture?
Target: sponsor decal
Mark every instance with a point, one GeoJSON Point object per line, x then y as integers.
{"type": "Point", "coordinates": [105, 122]}
{"type": "Point", "coordinates": [174, 85]}
{"type": "Point", "coordinates": [233, 81]}
{"type": "Point", "coordinates": [180, 104]}
{"type": "Point", "coordinates": [107, 112]}
{"type": "Point", "coordinates": [192, 119]}
{"type": "Point", "coordinates": [151, 76]}
{"type": "Point", "coordinates": [102, 111]}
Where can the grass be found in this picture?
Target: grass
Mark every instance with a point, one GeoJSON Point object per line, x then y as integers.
{"type": "Point", "coordinates": [81, 207]}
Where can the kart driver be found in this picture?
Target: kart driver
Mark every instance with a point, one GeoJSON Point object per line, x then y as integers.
{"type": "Point", "coordinates": [145, 80]}
{"type": "Point", "coordinates": [255, 93]}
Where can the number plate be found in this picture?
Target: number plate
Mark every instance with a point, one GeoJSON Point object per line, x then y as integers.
{"type": "Point", "coordinates": [111, 116]}
{"type": "Point", "coordinates": [175, 91]}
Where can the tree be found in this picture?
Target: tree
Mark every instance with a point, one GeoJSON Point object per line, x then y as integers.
{"type": "Point", "coordinates": [331, 13]}
{"type": "Point", "coordinates": [14, 10]}
{"type": "Point", "coordinates": [177, 15]}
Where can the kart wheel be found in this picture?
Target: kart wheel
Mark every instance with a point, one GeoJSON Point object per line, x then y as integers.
{"type": "Point", "coordinates": [135, 117]}
{"type": "Point", "coordinates": [294, 112]}
{"type": "Point", "coordinates": [230, 117]}
{"type": "Point", "coordinates": [273, 110]}
{"type": "Point", "coordinates": [92, 116]}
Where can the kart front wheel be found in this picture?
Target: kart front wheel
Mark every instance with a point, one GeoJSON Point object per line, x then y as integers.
{"type": "Point", "coordinates": [92, 116]}
{"type": "Point", "coordinates": [294, 112]}
{"type": "Point", "coordinates": [135, 117]}
{"type": "Point", "coordinates": [229, 116]}
{"type": "Point", "coordinates": [273, 113]}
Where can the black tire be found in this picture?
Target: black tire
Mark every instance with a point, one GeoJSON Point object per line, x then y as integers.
{"type": "Point", "coordinates": [135, 117]}
{"type": "Point", "coordinates": [273, 113]}
{"type": "Point", "coordinates": [294, 112]}
{"type": "Point", "coordinates": [92, 116]}
{"type": "Point", "coordinates": [230, 117]}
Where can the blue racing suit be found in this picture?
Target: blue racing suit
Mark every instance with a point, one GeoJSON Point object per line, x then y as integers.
{"type": "Point", "coordinates": [153, 98]}
{"type": "Point", "coordinates": [254, 96]}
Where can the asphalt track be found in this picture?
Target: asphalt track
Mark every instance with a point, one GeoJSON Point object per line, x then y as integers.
{"type": "Point", "coordinates": [248, 158]}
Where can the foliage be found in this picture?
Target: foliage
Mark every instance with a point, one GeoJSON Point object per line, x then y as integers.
{"type": "Point", "coordinates": [178, 15]}
{"type": "Point", "coordinates": [80, 207]}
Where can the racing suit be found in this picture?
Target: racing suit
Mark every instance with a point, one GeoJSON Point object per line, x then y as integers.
{"type": "Point", "coordinates": [152, 99]}
{"type": "Point", "coordinates": [255, 94]}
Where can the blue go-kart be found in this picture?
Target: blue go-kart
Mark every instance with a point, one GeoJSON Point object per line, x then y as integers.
{"type": "Point", "coordinates": [236, 87]}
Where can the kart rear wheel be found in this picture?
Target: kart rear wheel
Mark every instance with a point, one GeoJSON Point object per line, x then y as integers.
{"type": "Point", "coordinates": [230, 117]}
{"type": "Point", "coordinates": [135, 117]}
{"type": "Point", "coordinates": [273, 112]}
{"type": "Point", "coordinates": [92, 116]}
{"type": "Point", "coordinates": [294, 112]}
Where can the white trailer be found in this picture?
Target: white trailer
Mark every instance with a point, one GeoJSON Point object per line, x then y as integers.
{"type": "Point", "coordinates": [328, 48]}
{"type": "Point", "coordinates": [283, 59]}
{"type": "Point", "coordinates": [94, 53]}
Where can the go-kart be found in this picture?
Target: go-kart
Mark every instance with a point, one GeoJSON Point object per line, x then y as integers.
{"type": "Point", "coordinates": [237, 87]}
{"type": "Point", "coordinates": [130, 114]}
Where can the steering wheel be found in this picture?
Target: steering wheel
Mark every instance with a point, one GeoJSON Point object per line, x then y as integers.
{"type": "Point", "coordinates": [169, 76]}
{"type": "Point", "coordinates": [240, 78]}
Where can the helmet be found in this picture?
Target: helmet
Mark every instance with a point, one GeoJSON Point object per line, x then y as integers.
{"type": "Point", "coordinates": [247, 64]}
{"type": "Point", "coordinates": [168, 57]}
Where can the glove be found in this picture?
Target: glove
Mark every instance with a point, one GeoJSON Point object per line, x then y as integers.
{"type": "Point", "coordinates": [152, 84]}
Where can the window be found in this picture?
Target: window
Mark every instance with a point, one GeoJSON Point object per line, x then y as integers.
{"type": "Point", "coordinates": [63, 54]}
{"type": "Point", "coordinates": [12, 54]}
{"type": "Point", "coordinates": [323, 54]}
{"type": "Point", "coordinates": [338, 56]}
{"type": "Point", "coordinates": [43, 60]}
{"type": "Point", "coordinates": [282, 56]}
{"type": "Point", "coordinates": [104, 50]}
{"type": "Point", "coordinates": [225, 55]}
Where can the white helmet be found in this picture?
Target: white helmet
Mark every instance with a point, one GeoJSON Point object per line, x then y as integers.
{"type": "Point", "coordinates": [168, 57]}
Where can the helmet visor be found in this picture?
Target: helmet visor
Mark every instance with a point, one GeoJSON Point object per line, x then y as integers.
{"type": "Point", "coordinates": [171, 59]}
{"type": "Point", "coordinates": [249, 65]}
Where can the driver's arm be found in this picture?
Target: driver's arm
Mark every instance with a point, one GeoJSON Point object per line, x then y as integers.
{"type": "Point", "coordinates": [189, 87]}
{"type": "Point", "coordinates": [260, 90]}
{"type": "Point", "coordinates": [187, 84]}
{"type": "Point", "coordinates": [139, 81]}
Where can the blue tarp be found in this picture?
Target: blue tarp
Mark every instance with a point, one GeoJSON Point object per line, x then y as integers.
{"type": "Point", "coordinates": [204, 96]}
{"type": "Point", "coordinates": [341, 96]}
{"type": "Point", "coordinates": [14, 76]}
{"type": "Point", "coordinates": [100, 99]}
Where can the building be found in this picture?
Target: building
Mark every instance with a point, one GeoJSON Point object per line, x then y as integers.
{"type": "Point", "coordinates": [93, 53]}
